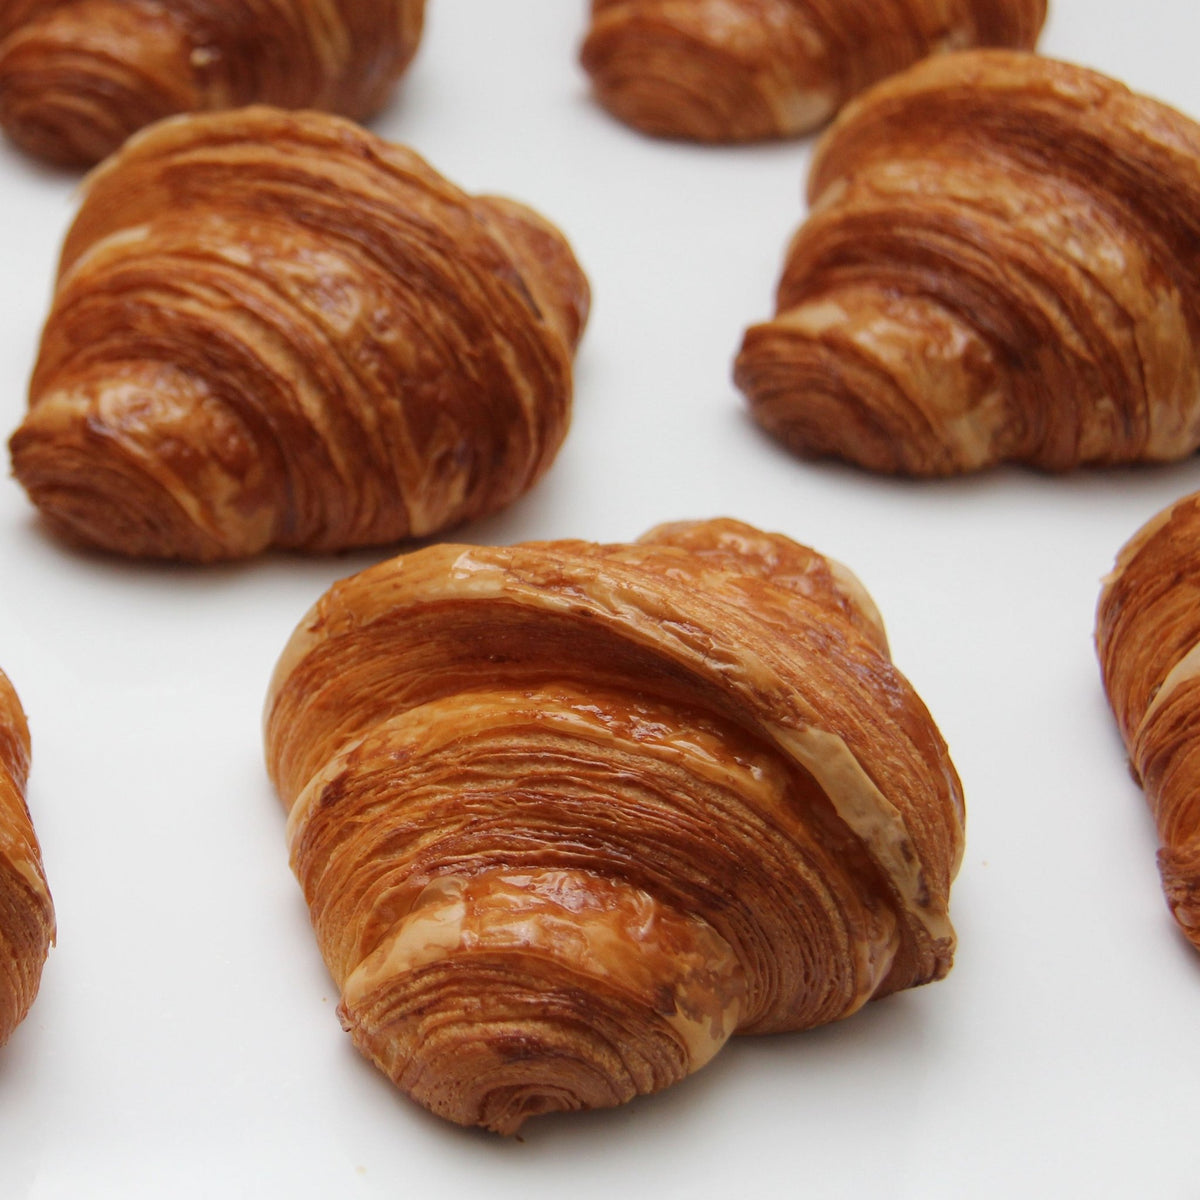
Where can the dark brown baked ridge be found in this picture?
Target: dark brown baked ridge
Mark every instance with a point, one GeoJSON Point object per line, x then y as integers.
{"type": "Point", "coordinates": [999, 265]}
{"type": "Point", "coordinates": [567, 815]}
{"type": "Point", "coordinates": [77, 77]}
{"type": "Point", "coordinates": [26, 910]}
{"type": "Point", "coordinates": [1148, 638]}
{"type": "Point", "coordinates": [273, 328]}
{"type": "Point", "coordinates": [745, 70]}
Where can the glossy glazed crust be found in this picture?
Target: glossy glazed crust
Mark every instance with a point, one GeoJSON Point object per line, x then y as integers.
{"type": "Point", "coordinates": [1148, 639]}
{"type": "Point", "coordinates": [999, 266]}
{"type": "Point", "coordinates": [77, 77]}
{"type": "Point", "coordinates": [26, 910]}
{"type": "Point", "coordinates": [745, 70]}
{"type": "Point", "coordinates": [273, 328]}
{"type": "Point", "coordinates": [568, 815]}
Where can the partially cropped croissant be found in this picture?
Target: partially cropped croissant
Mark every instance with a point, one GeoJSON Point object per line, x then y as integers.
{"type": "Point", "coordinates": [26, 911]}
{"type": "Point", "coordinates": [272, 328]}
{"type": "Point", "coordinates": [77, 77]}
{"type": "Point", "coordinates": [743, 70]}
{"type": "Point", "coordinates": [1000, 265]}
{"type": "Point", "coordinates": [567, 815]}
{"type": "Point", "coordinates": [1148, 637]}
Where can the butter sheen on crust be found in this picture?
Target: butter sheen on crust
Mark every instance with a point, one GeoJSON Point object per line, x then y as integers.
{"type": "Point", "coordinates": [567, 816]}
{"type": "Point", "coordinates": [77, 77]}
{"type": "Point", "coordinates": [26, 910]}
{"type": "Point", "coordinates": [274, 328]}
{"type": "Point", "coordinates": [998, 266]}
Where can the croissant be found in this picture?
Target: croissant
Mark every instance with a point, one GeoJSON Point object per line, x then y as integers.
{"type": "Point", "coordinates": [77, 77]}
{"type": "Point", "coordinates": [272, 328]}
{"type": "Point", "coordinates": [999, 266]}
{"type": "Point", "coordinates": [26, 910]}
{"type": "Point", "coordinates": [744, 70]}
{"type": "Point", "coordinates": [1148, 639]}
{"type": "Point", "coordinates": [567, 816]}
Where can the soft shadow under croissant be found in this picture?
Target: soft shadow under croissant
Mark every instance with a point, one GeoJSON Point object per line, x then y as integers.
{"type": "Point", "coordinates": [273, 328]}
{"type": "Point", "coordinates": [1148, 638]}
{"type": "Point", "coordinates": [1000, 265]}
{"type": "Point", "coordinates": [743, 70]}
{"type": "Point", "coordinates": [26, 910]}
{"type": "Point", "coordinates": [567, 816]}
{"type": "Point", "coordinates": [77, 77]}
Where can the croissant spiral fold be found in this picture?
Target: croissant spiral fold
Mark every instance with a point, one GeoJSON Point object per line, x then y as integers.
{"type": "Point", "coordinates": [999, 265]}
{"type": "Point", "coordinates": [1148, 639]}
{"type": "Point", "coordinates": [77, 77]}
{"type": "Point", "coordinates": [744, 70]}
{"type": "Point", "coordinates": [567, 816]}
{"type": "Point", "coordinates": [26, 910]}
{"type": "Point", "coordinates": [273, 328]}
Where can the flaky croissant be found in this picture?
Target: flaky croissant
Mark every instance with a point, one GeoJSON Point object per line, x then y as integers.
{"type": "Point", "coordinates": [272, 328]}
{"type": "Point", "coordinates": [567, 815]}
{"type": "Point", "coordinates": [1000, 265]}
{"type": "Point", "coordinates": [77, 77]}
{"type": "Point", "coordinates": [26, 910]}
{"type": "Point", "coordinates": [1148, 638]}
{"type": "Point", "coordinates": [744, 70]}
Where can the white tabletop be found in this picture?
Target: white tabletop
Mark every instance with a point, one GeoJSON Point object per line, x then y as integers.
{"type": "Point", "coordinates": [185, 1042]}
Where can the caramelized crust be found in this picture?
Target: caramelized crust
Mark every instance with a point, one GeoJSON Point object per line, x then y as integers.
{"type": "Point", "coordinates": [77, 77]}
{"type": "Point", "coordinates": [999, 265]}
{"type": "Point", "coordinates": [1148, 638]}
{"type": "Point", "coordinates": [567, 815]}
{"type": "Point", "coordinates": [274, 328]}
{"type": "Point", "coordinates": [26, 911]}
{"type": "Point", "coordinates": [744, 70]}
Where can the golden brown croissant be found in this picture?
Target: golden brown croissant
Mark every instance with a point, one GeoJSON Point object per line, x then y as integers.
{"type": "Point", "coordinates": [742, 70]}
{"type": "Point", "coordinates": [567, 815]}
{"type": "Point", "coordinates": [1148, 637]}
{"type": "Point", "coordinates": [77, 77]}
{"type": "Point", "coordinates": [274, 328]}
{"type": "Point", "coordinates": [26, 911]}
{"type": "Point", "coordinates": [999, 266]}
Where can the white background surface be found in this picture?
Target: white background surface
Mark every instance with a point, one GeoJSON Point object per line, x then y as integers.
{"type": "Point", "coordinates": [185, 1042]}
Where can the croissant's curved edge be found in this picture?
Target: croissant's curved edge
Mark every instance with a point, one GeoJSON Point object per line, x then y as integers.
{"type": "Point", "coordinates": [997, 266]}
{"type": "Point", "coordinates": [1148, 643]}
{"type": "Point", "coordinates": [27, 926]}
{"type": "Point", "coordinates": [78, 77]}
{"type": "Point", "coordinates": [567, 816]}
{"type": "Point", "coordinates": [272, 328]}
{"type": "Point", "coordinates": [750, 70]}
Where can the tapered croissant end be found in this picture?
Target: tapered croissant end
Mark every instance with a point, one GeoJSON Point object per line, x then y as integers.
{"type": "Point", "coordinates": [569, 816]}
{"type": "Point", "coordinates": [77, 77]}
{"type": "Point", "coordinates": [26, 911]}
{"type": "Point", "coordinates": [743, 70]}
{"type": "Point", "coordinates": [1148, 638]}
{"type": "Point", "coordinates": [273, 328]}
{"type": "Point", "coordinates": [998, 266]}
{"type": "Point", "coordinates": [76, 81]}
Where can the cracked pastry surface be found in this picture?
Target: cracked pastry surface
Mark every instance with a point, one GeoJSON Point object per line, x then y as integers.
{"type": "Point", "coordinates": [77, 77]}
{"type": "Point", "coordinates": [273, 328]}
{"type": "Point", "coordinates": [26, 910]}
{"type": "Point", "coordinates": [745, 70]}
{"type": "Point", "coordinates": [998, 266]}
{"type": "Point", "coordinates": [1148, 639]}
{"type": "Point", "coordinates": [567, 816]}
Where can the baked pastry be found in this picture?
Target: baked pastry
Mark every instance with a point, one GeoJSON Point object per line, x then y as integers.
{"type": "Point", "coordinates": [26, 911]}
{"type": "Point", "coordinates": [1148, 638]}
{"type": "Point", "coordinates": [77, 77]}
{"type": "Point", "coordinates": [744, 70]}
{"type": "Point", "coordinates": [567, 815]}
{"type": "Point", "coordinates": [273, 328]}
{"type": "Point", "coordinates": [999, 265]}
